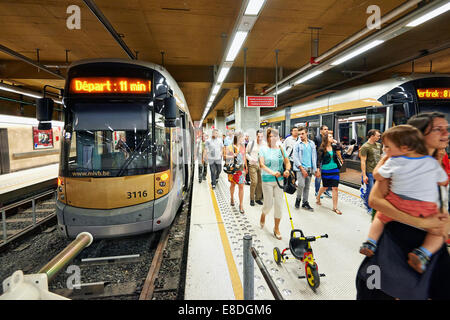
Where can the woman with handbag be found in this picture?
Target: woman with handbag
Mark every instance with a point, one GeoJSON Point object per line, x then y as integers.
{"type": "Point", "coordinates": [236, 152]}
{"type": "Point", "coordinates": [271, 159]}
{"type": "Point", "coordinates": [330, 160]}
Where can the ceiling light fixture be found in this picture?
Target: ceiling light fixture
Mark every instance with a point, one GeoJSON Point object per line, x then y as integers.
{"type": "Point", "coordinates": [429, 15]}
{"type": "Point", "coordinates": [357, 52]}
{"type": "Point", "coordinates": [307, 77]}
{"type": "Point", "coordinates": [236, 45]}
{"type": "Point", "coordinates": [253, 7]}
{"type": "Point", "coordinates": [223, 74]}
{"type": "Point", "coordinates": [284, 89]}
{"type": "Point", "coordinates": [216, 89]}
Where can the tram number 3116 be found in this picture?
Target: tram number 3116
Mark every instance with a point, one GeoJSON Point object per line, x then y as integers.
{"type": "Point", "coordinates": [137, 194]}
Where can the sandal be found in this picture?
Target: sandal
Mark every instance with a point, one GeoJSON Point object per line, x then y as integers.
{"type": "Point", "coordinates": [337, 211]}
{"type": "Point", "coordinates": [262, 223]}
{"type": "Point", "coordinates": [278, 236]}
{"type": "Point", "coordinates": [232, 203]}
{"type": "Point", "coordinates": [241, 211]}
{"type": "Point", "coordinates": [318, 201]}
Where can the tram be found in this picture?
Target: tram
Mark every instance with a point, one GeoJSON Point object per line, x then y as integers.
{"type": "Point", "coordinates": [351, 113]}
{"type": "Point", "coordinates": [126, 162]}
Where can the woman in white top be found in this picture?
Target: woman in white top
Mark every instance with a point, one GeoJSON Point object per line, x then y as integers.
{"type": "Point", "coordinates": [271, 163]}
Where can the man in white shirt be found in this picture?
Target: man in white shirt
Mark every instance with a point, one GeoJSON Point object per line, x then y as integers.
{"type": "Point", "coordinates": [214, 149]}
{"type": "Point", "coordinates": [289, 145]}
{"type": "Point", "coordinates": [252, 152]}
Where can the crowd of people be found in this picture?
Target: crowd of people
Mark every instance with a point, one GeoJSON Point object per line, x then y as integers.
{"type": "Point", "coordinates": [401, 178]}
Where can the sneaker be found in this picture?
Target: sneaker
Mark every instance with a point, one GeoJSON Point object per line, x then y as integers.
{"type": "Point", "coordinates": [252, 203]}
{"type": "Point", "coordinates": [306, 206]}
{"type": "Point", "coordinates": [259, 202]}
{"type": "Point", "coordinates": [297, 203]}
{"type": "Point", "coordinates": [368, 249]}
{"type": "Point", "coordinates": [213, 186]}
{"type": "Point", "coordinates": [321, 197]}
{"type": "Point", "coordinates": [418, 260]}
{"type": "Point", "coordinates": [327, 193]}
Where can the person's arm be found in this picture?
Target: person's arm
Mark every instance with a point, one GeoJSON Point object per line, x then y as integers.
{"type": "Point", "coordinates": [267, 169]}
{"type": "Point", "coordinates": [435, 224]}
{"type": "Point", "coordinates": [287, 163]}
{"type": "Point", "coordinates": [320, 154]}
{"type": "Point", "coordinates": [245, 162]}
{"type": "Point", "coordinates": [376, 175]}
{"type": "Point", "coordinates": [296, 157]}
{"type": "Point", "coordinates": [363, 168]}
{"type": "Point", "coordinates": [247, 151]}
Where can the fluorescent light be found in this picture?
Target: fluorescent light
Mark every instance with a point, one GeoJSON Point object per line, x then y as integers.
{"type": "Point", "coordinates": [307, 77]}
{"type": "Point", "coordinates": [253, 7]}
{"type": "Point", "coordinates": [238, 40]}
{"type": "Point", "coordinates": [281, 90]}
{"type": "Point", "coordinates": [211, 98]}
{"type": "Point", "coordinates": [429, 15]}
{"type": "Point", "coordinates": [357, 52]}
{"type": "Point", "coordinates": [209, 105]}
{"type": "Point", "coordinates": [222, 74]}
{"type": "Point", "coordinates": [216, 89]}
{"type": "Point", "coordinates": [28, 94]}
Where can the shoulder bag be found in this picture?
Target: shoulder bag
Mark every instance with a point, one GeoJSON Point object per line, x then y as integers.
{"type": "Point", "coordinates": [289, 182]}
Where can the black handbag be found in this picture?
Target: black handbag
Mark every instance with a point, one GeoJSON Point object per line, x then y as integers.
{"type": "Point", "coordinates": [289, 185]}
{"type": "Point", "coordinates": [231, 168]}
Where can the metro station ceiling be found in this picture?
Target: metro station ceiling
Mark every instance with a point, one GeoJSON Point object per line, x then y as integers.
{"type": "Point", "coordinates": [193, 34]}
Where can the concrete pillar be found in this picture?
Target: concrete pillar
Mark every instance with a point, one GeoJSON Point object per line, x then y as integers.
{"type": "Point", "coordinates": [219, 122]}
{"type": "Point", "coordinates": [246, 119]}
{"type": "Point", "coordinates": [209, 125]}
{"type": "Point", "coordinates": [287, 123]}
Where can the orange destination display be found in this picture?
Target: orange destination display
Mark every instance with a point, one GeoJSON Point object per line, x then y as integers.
{"type": "Point", "coordinates": [434, 93]}
{"type": "Point", "coordinates": [110, 85]}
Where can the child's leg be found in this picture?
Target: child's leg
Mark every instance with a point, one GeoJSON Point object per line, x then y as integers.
{"type": "Point", "coordinates": [419, 258]}
{"type": "Point", "coordinates": [432, 243]}
{"type": "Point", "coordinates": [376, 228]}
{"type": "Point", "coordinates": [369, 247]}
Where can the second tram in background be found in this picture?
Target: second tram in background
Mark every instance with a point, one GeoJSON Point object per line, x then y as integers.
{"type": "Point", "coordinates": [351, 113]}
{"type": "Point", "coordinates": [127, 149]}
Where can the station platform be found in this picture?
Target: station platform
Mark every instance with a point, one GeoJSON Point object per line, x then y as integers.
{"type": "Point", "coordinates": [215, 256]}
{"type": "Point", "coordinates": [26, 180]}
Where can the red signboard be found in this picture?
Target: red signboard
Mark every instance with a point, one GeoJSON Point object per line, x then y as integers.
{"type": "Point", "coordinates": [42, 138]}
{"type": "Point", "coordinates": [262, 102]}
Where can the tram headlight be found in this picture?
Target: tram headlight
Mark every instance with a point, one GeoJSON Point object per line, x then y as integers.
{"type": "Point", "coordinates": [164, 176]}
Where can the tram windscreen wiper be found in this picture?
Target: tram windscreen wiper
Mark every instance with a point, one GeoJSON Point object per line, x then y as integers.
{"type": "Point", "coordinates": [133, 155]}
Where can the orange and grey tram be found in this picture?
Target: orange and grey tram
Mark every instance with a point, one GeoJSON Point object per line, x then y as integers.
{"type": "Point", "coordinates": [127, 146]}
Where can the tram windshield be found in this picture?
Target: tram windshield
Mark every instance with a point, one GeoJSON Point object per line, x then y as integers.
{"type": "Point", "coordinates": [114, 143]}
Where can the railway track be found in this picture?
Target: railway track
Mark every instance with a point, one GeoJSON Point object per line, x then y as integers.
{"type": "Point", "coordinates": [146, 267]}
{"type": "Point", "coordinates": [26, 216]}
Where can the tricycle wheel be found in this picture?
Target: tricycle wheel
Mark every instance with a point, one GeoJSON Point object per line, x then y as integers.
{"type": "Point", "coordinates": [277, 255]}
{"type": "Point", "coordinates": [312, 276]}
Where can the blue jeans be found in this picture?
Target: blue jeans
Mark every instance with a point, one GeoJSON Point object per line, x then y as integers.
{"type": "Point", "coordinates": [365, 194]}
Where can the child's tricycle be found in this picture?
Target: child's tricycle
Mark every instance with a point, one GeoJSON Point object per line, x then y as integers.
{"type": "Point", "coordinates": [300, 248]}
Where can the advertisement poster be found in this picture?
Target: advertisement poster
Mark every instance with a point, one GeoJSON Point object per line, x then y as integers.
{"type": "Point", "coordinates": [42, 139]}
